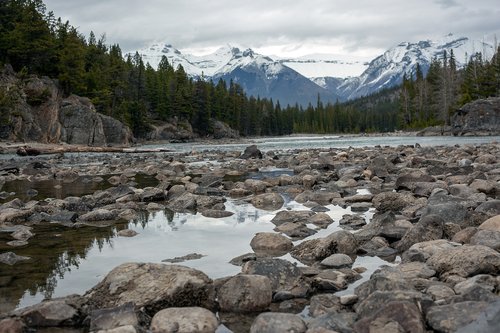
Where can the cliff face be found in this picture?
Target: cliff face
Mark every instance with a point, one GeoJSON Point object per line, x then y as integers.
{"type": "Point", "coordinates": [33, 109]}
{"type": "Point", "coordinates": [481, 117]}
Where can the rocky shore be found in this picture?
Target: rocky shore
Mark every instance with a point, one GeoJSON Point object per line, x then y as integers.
{"type": "Point", "coordinates": [436, 208]}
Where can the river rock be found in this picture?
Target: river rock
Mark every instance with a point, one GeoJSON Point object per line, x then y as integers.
{"type": "Point", "coordinates": [487, 321]}
{"type": "Point", "coordinates": [127, 233]}
{"type": "Point", "coordinates": [330, 281]}
{"type": "Point", "coordinates": [393, 317]}
{"type": "Point", "coordinates": [406, 271]}
{"type": "Point", "coordinates": [295, 230]}
{"type": "Point", "coordinates": [492, 223]}
{"type": "Point", "coordinates": [284, 276]}
{"type": "Point", "coordinates": [326, 303]}
{"type": "Point", "coordinates": [245, 293]}
{"type": "Point", "coordinates": [337, 260]}
{"type": "Point", "coordinates": [251, 152]}
{"type": "Point", "coordinates": [409, 181]}
{"type": "Point", "coordinates": [380, 283]}
{"type": "Point", "coordinates": [292, 216]}
{"type": "Point", "coordinates": [271, 322]}
{"type": "Point", "coordinates": [112, 318]}
{"type": "Point", "coordinates": [424, 250]}
{"type": "Point", "coordinates": [53, 313]}
{"type": "Point", "coordinates": [489, 238]}
{"type": "Point", "coordinates": [98, 215]}
{"type": "Point", "coordinates": [271, 243]}
{"type": "Point", "coordinates": [183, 202]}
{"type": "Point", "coordinates": [352, 221]}
{"type": "Point", "coordinates": [256, 186]}
{"type": "Point", "coordinates": [10, 258]}
{"type": "Point", "coordinates": [451, 317]}
{"type": "Point", "coordinates": [313, 250]}
{"type": "Point", "coordinates": [152, 286]}
{"type": "Point", "coordinates": [392, 201]}
{"type": "Point", "coordinates": [186, 319]}
{"type": "Point", "coordinates": [12, 325]}
{"type": "Point", "coordinates": [268, 201]}
{"type": "Point", "coordinates": [321, 220]}
{"type": "Point", "coordinates": [465, 261]}
{"type": "Point", "coordinates": [429, 227]}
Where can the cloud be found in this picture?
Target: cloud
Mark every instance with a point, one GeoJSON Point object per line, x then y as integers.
{"type": "Point", "coordinates": [347, 26]}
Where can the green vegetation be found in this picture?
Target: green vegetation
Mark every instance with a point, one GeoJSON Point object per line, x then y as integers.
{"type": "Point", "coordinates": [35, 42]}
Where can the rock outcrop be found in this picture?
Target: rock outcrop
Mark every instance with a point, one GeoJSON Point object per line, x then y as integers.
{"type": "Point", "coordinates": [481, 117]}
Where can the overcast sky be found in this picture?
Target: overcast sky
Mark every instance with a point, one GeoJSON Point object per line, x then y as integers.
{"type": "Point", "coordinates": [280, 27]}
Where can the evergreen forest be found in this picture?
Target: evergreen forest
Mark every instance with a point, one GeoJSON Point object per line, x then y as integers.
{"type": "Point", "coordinates": [34, 41]}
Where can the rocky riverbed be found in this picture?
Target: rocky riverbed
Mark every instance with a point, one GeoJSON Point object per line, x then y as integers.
{"type": "Point", "coordinates": [436, 208]}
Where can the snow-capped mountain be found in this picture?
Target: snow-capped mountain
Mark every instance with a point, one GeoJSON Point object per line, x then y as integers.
{"type": "Point", "coordinates": [301, 80]}
{"type": "Point", "coordinates": [259, 75]}
{"type": "Point", "coordinates": [388, 69]}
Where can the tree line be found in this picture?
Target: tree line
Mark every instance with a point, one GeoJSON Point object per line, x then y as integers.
{"type": "Point", "coordinates": [33, 41]}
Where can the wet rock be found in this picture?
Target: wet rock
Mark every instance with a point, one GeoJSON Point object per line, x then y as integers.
{"type": "Point", "coordinates": [295, 230]}
{"type": "Point", "coordinates": [272, 322]}
{"type": "Point", "coordinates": [10, 258]}
{"type": "Point", "coordinates": [352, 221]}
{"type": "Point", "coordinates": [217, 214]}
{"type": "Point", "coordinates": [241, 260]}
{"type": "Point", "coordinates": [284, 275]}
{"type": "Point", "coordinates": [330, 280]}
{"type": "Point", "coordinates": [127, 233]}
{"type": "Point", "coordinates": [292, 216]}
{"type": "Point", "coordinates": [465, 261]}
{"type": "Point", "coordinates": [191, 256]}
{"type": "Point", "coordinates": [152, 286]}
{"type": "Point", "coordinates": [332, 322]}
{"type": "Point", "coordinates": [395, 316]}
{"type": "Point", "coordinates": [182, 203]}
{"type": "Point", "coordinates": [451, 317]}
{"type": "Point", "coordinates": [251, 152]}
{"type": "Point", "coordinates": [321, 220]}
{"type": "Point", "coordinates": [22, 233]}
{"type": "Point", "coordinates": [489, 238]}
{"type": "Point", "coordinates": [12, 325]}
{"type": "Point", "coordinates": [268, 201]}
{"type": "Point", "coordinates": [313, 250]}
{"type": "Point", "coordinates": [392, 201]}
{"type": "Point", "coordinates": [337, 260]}
{"type": "Point", "coordinates": [112, 318]}
{"type": "Point", "coordinates": [187, 319]}
{"type": "Point", "coordinates": [429, 227]}
{"type": "Point", "coordinates": [271, 243]}
{"type": "Point", "coordinates": [245, 293]}
{"type": "Point", "coordinates": [152, 194]}
{"type": "Point", "coordinates": [256, 186]}
{"type": "Point", "coordinates": [98, 215]}
{"type": "Point", "coordinates": [424, 250]}
{"type": "Point", "coordinates": [322, 198]}
{"type": "Point", "coordinates": [53, 313]}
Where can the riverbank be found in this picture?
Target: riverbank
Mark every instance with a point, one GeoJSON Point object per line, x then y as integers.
{"type": "Point", "coordinates": [435, 213]}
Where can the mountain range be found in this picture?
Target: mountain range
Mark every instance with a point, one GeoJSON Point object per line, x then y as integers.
{"type": "Point", "coordinates": [302, 80]}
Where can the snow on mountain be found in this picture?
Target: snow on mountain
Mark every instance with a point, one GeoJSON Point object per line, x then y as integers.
{"type": "Point", "coordinates": [388, 69]}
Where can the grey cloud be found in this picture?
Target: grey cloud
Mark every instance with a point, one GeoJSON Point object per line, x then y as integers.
{"type": "Point", "coordinates": [354, 25]}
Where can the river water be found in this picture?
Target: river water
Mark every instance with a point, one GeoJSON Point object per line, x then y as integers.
{"type": "Point", "coordinates": [72, 260]}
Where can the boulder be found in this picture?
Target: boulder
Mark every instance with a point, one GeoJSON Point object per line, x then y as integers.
{"type": "Point", "coordinates": [295, 230]}
{"type": "Point", "coordinates": [112, 318]}
{"type": "Point", "coordinates": [245, 293]}
{"type": "Point", "coordinates": [271, 322]}
{"type": "Point", "coordinates": [98, 215]}
{"type": "Point", "coordinates": [152, 286]}
{"type": "Point", "coordinates": [326, 303]}
{"type": "Point", "coordinates": [409, 181]}
{"type": "Point", "coordinates": [478, 117]}
{"type": "Point", "coordinates": [487, 321]}
{"type": "Point", "coordinates": [491, 224]}
{"type": "Point", "coordinates": [251, 152]}
{"type": "Point", "coordinates": [292, 216]}
{"type": "Point", "coordinates": [182, 203]}
{"type": "Point", "coordinates": [12, 325]}
{"type": "Point", "coordinates": [271, 243]}
{"type": "Point", "coordinates": [451, 317]}
{"type": "Point", "coordinates": [424, 250]}
{"type": "Point", "coordinates": [465, 261]}
{"type": "Point", "coordinates": [186, 319]}
{"type": "Point", "coordinates": [392, 201]}
{"type": "Point", "coordinates": [337, 260]}
{"type": "Point", "coordinates": [268, 201]}
{"type": "Point", "coordinates": [489, 238]}
{"type": "Point", "coordinates": [115, 132]}
{"type": "Point", "coordinates": [429, 227]}
{"type": "Point", "coordinates": [216, 213]}
{"type": "Point", "coordinates": [332, 322]}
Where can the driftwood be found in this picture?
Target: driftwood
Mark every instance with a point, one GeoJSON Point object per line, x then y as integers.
{"type": "Point", "coordinates": [26, 150]}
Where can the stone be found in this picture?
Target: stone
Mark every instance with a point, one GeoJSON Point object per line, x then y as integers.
{"type": "Point", "coordinates": [313, 250]}
{"type": "Point", "coordinates": [321, 220]}
{"type": "Point", "coordinates": [268, 201]}
{"type": "Point", "coordinates": [12, 325]}
{"type": "Point", "coordinates": [326, 303]}
{"type": "Point", "coordinates": [292, 216]}
{"type": "Point", "coordinates": [98, 215]}
{"type": "Point", "coordinates": [490, 208]}
{"type": "Point", "coordinates": [352, 221]}
{"type": "Point", "coordinates": [295, 230]}
{"type": "Point", "coordinates": [271, 243]}
{"type": "Point", "coordinates": [330, 281]}
{"type": "Point", "coordinates": [451, 317]}
{"type": "Point", "coordinates": [392, 201]}
{"type": "Point", "coordinates": [127, 233]}
{"type": "Point", "coordinates": [465, 261]}
{"type": "Point", "coordinates": [251, 152]}
{"type": "Point", "coordinates": [492, 223]}
{"type": "Point", "coordinates": [10, 258]}
{"type": "Point", "coordinates": [186, 319]}
{"type": "Point", "coordinates": [484, 186]}
{"type": "Point", "coordinates": [408, 181]}
{"type": "Point", "coordinates": [245, 293]}
{"type": "Point", "coordinates": [450, 212]}
{"type": "Point", "coordinates": [348, 299]}
{"type": "Point", "coordinates": [284, 275]}
{"type": "Point", "coordinates": [429, 227]}
{"type": "Point", "coordinates": [424, 250]}
{"type": "Point", "coordinates": [489, 238]}
{"type": "Point", "coordinates": [380, 283]}
{"type": "Point", "coordinates": [394, 316]}
{"type": "Point", "coordinates": [485, 281]}
{"type": "Point", "coordinates": [152, 286]}
{"type": "Point", "coordinates": [150, 194]}
{"type": "Point", "coordinates": [488, 321]}
{"type": "Point", "coordinates": [111, 318]}
{"type": "Point", "coordinates": [271, 322]}
{"type": "Point", "coordinates": [52, 313]}
{"type": "Point", "coordinates": [216, 214]}
{"type": "Point", "coordinates": [182, 203]}
{"type": "Point", "coordinates": [337, 260]}
{"type": "Point", "coordinates": [332, 322]}
{"type": "Point", "coordinates": [464, 235]}
{"type": "Point", "coordinates": [256, 186]}
{"type": "Point", "coordinates": [440, 292]}
{"type": "Point", "coordinates": [405, 271]}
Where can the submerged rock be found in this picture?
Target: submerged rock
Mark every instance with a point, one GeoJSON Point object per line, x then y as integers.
{"type": "Point", "coordinates": [186, 319]}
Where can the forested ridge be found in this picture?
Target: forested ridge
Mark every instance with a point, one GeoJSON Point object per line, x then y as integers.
{"type": "Point", "coordinates": [34, 41]}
